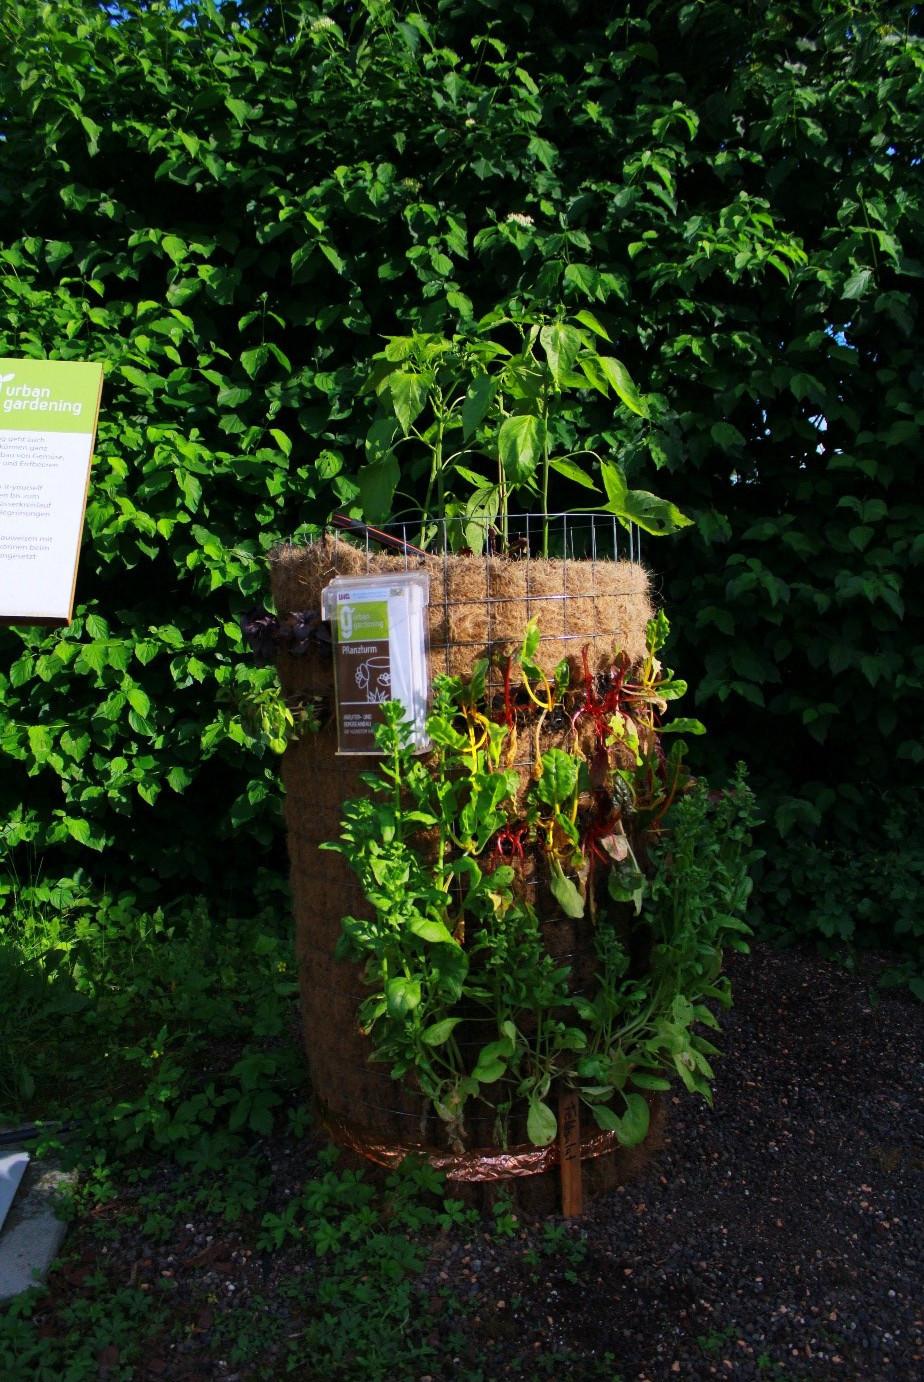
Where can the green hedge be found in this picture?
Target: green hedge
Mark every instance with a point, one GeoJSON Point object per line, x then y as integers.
{"type": "Point", "coordinates": [230, 205]}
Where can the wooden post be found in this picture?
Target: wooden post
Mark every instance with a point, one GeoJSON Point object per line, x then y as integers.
{"type": "Point", "coordinates": [569, 1153]}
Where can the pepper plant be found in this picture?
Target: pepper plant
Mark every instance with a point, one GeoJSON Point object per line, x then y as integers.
{"type": "Point", "coordinates": [480, 426]}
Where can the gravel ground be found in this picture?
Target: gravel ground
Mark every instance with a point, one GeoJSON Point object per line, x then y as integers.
{"type": "Point", "coordinates": [776, 1237]}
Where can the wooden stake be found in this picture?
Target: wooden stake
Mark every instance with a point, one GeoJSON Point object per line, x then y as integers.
{"type": "Point", "coordinates": [569, 1153]}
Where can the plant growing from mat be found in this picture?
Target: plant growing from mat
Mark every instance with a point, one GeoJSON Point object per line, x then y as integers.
{"type": "Point", "coordinates": [482, 426]}
{"type": "Point", "coordinates": [652, 863]}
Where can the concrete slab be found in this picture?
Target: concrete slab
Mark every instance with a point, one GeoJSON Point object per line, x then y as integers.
{"type": "Point", "coordinates": [12, 1169]}
{"type": "Point", "coordinates": [33, 1233]}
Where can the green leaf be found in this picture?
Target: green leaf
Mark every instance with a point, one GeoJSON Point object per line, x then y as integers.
{"type": "Point", "coordinates": [328, 464]}
{"type": "Point", "coordinates": [489, 1069]}
{"type": "Point", "coordinates": [477, 402]}
{"type": "Point", "coordinates": [40, 742]}
{"type": "Point", "coordinates": [78, 829]}
{"type": "Point", "coordinates": [449, 965]}
{"type": "Point", "coordinates": [532, 637]}
{"type": "Point", "coordinates": [682, 726]}
{"type": "Point", "coordinates": [562, 345]}
{"type": "Point", "coordinates": [379, 439]}
{"type": "Point", "coordinates": [726, 435]}
{"type": "Point", "coordinates": [439, 1032]}
{"type": "Point", "coordinates": [541, 1123]}
{"type": "Point", "coordinates": [605, 1117]}
{"type": "Point", "coordinates": [233, 395]}
{"type": "Point", "coordinates": [546, 153]}
{"type": "Point", "coordinates": [594, 371]}
{"type": "Point", "coordinates": [634, 1123]}
{"type": "Point", "coordinates": [282, 441]}
{"type": "Point", "coordinates": [646, 1081]}
{"type": "Point", "coordinates": [176, 248]}
{"type": "Point", "coordinates": [493, 1058]}
{"type": "Point", "coordinates": [433, 931]}
{"type": "Point", "coordinates": [622, 384]}
{"type": "Point", "coordinates": [614, 482]}
{"type": "Point", "coordinates": [239, 109]}
{"type": "Point", "coordinates": [651, 514]}
{"type": "Point", "coordinates": [93, 131]}
{"type": "Point", "coordinates": [377, 484]}
{"type": "Point", "coordinates": [559, 777]}
{"type": "Point", "coordinates": [137, 698]}
{"type": "Point", "coordinates": [253, 360]}
{"type": "Point", "coordinates": [585, 279]}
{"type": "Point", "coordinates": [632, 1127]}
{"type": "Point", "coordinates": [574, 472]}
{"type": "Point", "coordinates": [520, 442]}
{"type": "Point", "coordinates": [587, 318]}
{"type": "Point", "coordinates": [408, 396]}
{"type": "Point", "coordinates": [402, 996]}
{"type": "Point", "coordinates": [857, 284]}
{"type": "Point", "coordinates": [332, 256]}
{"type": "Point", "coordinates": [567, 895]}
{"type": "Point", "coordinates": [626, 884]}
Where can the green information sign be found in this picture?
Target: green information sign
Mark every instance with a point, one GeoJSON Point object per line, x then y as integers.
{"type": "Point", "coordinates": [48, 413]}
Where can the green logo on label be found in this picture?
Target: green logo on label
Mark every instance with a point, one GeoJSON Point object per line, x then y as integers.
{"type": "Point", "coordinates": [360, 621]}
{"type": "Point", "coordinates": [48, 395]}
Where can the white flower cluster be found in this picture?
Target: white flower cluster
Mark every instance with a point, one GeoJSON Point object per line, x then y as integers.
{"type": "Point", "coordinates": [520, 218]}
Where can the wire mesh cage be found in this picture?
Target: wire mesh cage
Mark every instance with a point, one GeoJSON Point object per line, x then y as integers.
{"type": "Point", "coordinates": [592, 535]}
{"type": "Point", "coordinates": [577, 575]}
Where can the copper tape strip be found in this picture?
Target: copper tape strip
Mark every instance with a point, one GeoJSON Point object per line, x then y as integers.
{"type": "Point", "coordinates": [483, 1164]}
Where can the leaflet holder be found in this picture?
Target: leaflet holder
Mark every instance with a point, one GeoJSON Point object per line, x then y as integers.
{"type": "Point", "coordinates": [381, 653]}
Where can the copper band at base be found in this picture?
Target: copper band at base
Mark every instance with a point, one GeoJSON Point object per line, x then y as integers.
{"type": "Point", "coordinates": [481, 1164]}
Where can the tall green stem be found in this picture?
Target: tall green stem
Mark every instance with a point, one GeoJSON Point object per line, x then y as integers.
{"type": "Point", "coordinates": [544, 415]}
{"type": "Point", "coordinates": [436, 477]}
{"type": "Point", "coordinates": [438, 456]}
{"type": "Point", "coordinates": [425, 512]}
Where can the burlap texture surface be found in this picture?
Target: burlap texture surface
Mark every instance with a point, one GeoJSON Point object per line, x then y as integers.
{"type": "Point", "coordinates": [479, 605]}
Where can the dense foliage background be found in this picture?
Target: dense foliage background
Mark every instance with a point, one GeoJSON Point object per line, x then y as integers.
{"type": "Point", "coordinates": [229, 204]}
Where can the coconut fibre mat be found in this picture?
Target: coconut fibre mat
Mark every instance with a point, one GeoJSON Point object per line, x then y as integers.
{"type": "Point", "coordinates": [777, 1236]}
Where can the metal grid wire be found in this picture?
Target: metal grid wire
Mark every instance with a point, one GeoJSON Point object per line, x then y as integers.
{"type": "Point", "coordinates": [590, 538]}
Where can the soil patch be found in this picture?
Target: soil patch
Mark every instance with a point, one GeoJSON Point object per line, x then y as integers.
{"type": "Point", "coordinates": [777, 1236]}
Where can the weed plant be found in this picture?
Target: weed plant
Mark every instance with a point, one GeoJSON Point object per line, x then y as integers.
{"type": "Point", "coordinates": [153, 1026]}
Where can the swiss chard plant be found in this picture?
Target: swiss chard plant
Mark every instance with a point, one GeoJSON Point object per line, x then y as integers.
{"type": "Point", "coordinates": [451, 945]}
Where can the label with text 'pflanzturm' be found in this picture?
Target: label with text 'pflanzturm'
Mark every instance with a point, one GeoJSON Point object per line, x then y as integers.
{"type": "Point", "coordinates": [363, 668]}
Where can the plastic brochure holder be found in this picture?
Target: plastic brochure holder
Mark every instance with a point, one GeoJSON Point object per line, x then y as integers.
{"type": "Point", "coordinates": [380, 640]}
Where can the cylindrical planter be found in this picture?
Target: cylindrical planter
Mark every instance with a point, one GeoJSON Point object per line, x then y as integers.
{"type": "Point", "coordinates": [478, 606]}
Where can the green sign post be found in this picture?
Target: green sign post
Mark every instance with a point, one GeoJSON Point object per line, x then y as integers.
{"type": "Point", "coordinates": [48, 413]}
